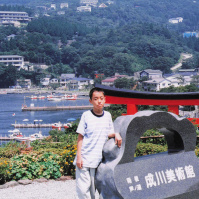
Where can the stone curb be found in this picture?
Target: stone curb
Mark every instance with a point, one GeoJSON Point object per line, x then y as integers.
{"type": "Point", "coordinates": [26, 182]}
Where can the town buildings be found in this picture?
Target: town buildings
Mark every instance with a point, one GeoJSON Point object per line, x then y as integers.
{"type": "Point", "coordinates": [70, 82]}
{"type": "Point", "coordinates": [84, 8]}
{"type": "Point", "coordinates": [14, 60]}
{"type": "Point", "coordinates": [176, 20]}
{"type": "Point", "coordinates": [89, 2]}
{"type": "Point", "coordinates": [14, 18]}
{"type": "Point", "coordinates": [148, 73]}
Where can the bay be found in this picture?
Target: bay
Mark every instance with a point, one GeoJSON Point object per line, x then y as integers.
{"type": "Point", "coordinates": [11, 112]}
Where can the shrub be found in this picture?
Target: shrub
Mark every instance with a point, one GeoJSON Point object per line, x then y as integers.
{"type": "Point", "coordinates": [151, 134]}
{"type": "Point", "coordinates": [148, 148]}
{"type": "Point", "coordinates": [67, 158]}
{"type": "Point", "coordinates": [4, 170]}
{"type": "Point", "coordinates": [11, 149]}
{"type": "Point", "coordinates": [35, 166]}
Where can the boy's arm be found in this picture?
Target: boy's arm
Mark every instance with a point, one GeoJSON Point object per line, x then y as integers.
{"type": "Point", "coordinates": [118, 138]}
{"type": "Point", "coordinates": [79, 161]}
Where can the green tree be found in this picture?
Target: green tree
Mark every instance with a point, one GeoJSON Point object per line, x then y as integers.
{"type": "Point", "coordinates": [122, 83]}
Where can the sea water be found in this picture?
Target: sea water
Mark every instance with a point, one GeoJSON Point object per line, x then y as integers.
{"type": "Point", "coordinates": [11, 113]}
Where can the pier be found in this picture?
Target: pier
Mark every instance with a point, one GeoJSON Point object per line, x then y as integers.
{"type": "Point", "coordinates": [6, 138]}
{"type": "Point", "coordinates": [58, 108]}
{"type": "Point", "coordinates": [32, 125]}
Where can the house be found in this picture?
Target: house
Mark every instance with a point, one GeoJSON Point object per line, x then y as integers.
{"type": "Point", "coordinates": [192, 71]}
{"type": "Point", "coordinates": [89, 2]}
{"type": "Point", "coordinates": [190, 34]}
{"type": "Point", "coordinates": [181, 79]}
{"type": "Point", "coordinates": [25, 83]}
{"type": "Point", "coordinates": [9, 37]}
{"type": "Point", "coordinates": [84, 8]}
{"type": "Point", "coordinates": [79, 83]}
{"type": "Point", "coordinates": [54, 81]}
{"type": "Point", "coordinates": [53, 6]}
{"type": "Point", "coordinates": [109, 81]}
{"type": "Point", "coordinates": [176, 20]}
{"type": "Point", "coordinates": [61, 12]}
{"type": "Point", "coordinates": [13, 18]}
{"type": "Point", "coordinates": [45, 81]}
{"type": "Point", "coordinates": [14, 60]}
{"type": "Point", "coordinates": [156, 84]}
{"type": "Point", "coordinates": [64, 79]}
{"type": "Point", "coordinates": [63, 5]}
{"type": "Point", "coordinates": [148, 73]}
{"type": "Point", "coordinates": [103, 5]}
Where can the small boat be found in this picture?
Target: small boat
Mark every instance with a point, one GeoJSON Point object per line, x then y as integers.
{"type": "Point", "coordinates": [70, 97]}
{"type": "Point", "coordinates": [57, 126]}
{"type": "Point", "coordinates": [67, 125]}
{"type": "Point", "coordinates": [3, 92]}
{"type": "Point", "coordinates": [33, 97]}
{"type": "Point", "coordinates": [15, 133]}
{"type": "Point", "coordinates": [52, 96]}
{"type": "Point", "coordinates": [37, 135]}
{"type": "Point", "coordinates": [41, 97]}
{"type": "Point", "coordinates": [54, 99]}
{"type": "Point", "coordinates": [31, 138]}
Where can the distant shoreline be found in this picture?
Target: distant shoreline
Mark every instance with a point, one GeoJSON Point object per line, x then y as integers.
{"type": "Point", "coordinates": [43, 91]}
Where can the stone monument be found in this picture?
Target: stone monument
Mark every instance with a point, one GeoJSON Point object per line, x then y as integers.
{"type": "Point", "coordinates": [173, 174]}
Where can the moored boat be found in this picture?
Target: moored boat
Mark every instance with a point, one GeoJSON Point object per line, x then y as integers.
{"type": "Point", "coordinates": [70, 97]}
{"type": "Point", "coordinates": [3, 92]}
{"type": "Point", "coordinates": [54, 99]}
{"type": "Point", "coordinates": [41, 97]}
{"type": "Point", "coordinates": [67, 125]}
{"type": "Point", "coordinates": [15, 133]}
{"type": "Point", "coordinates": [57, 125]}
{"type": "Point", "coordinates": [33, 97]}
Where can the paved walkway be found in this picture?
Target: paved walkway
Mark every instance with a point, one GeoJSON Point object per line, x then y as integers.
{"type": "Point", "coordinates": [46, 190]}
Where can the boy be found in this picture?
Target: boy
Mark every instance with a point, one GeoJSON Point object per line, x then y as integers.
{"type": "Point", "coordinates": [94, 129]}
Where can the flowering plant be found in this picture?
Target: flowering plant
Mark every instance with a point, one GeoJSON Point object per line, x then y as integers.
{"type": "Point", "coordinates": [33, 166]}
{"type": "Point", "coordinates": [4, 170]}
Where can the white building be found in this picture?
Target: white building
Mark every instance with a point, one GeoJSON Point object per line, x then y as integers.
{"type": "Point", "coordinates": [15, 18]}
{"type": "Point", "coordinates": [180, 80]}
{"type": "Point", "coordinates": [176, 20]}
{"type": "Point", "coordinates": [84, 8]}
{"type": "Point", "coordinates": [14, 60]}
{"type": "Point", "coordinates": [148, 73]}
{"type": "Point", "coordinates": [64, 79]}
{"type": "Point", "coordinates": [53, 6]}
{"type": "Point", "coordinates": [80, 83]}
{"type": "Point", "coordinates": [156, 84]}
{"type": "Point", "coordinates": [89, 2]}
{"type": "Point", "coordinates": [61, 12]}
{"type": "Point", "coordinates": [63, 5]}
{"type": "Point", "coordinates": [45, 81]}
{"type": "Point", "coordinates": [26, 83]}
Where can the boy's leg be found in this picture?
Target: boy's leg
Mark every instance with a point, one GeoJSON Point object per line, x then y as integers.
{"type": "Point", "coordinates": [83, 183]}
{"type": "Point", "coordinates": [92, 188]}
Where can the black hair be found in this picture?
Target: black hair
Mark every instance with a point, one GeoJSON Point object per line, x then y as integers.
{"type": "Point", "coordinates": [93, 90]}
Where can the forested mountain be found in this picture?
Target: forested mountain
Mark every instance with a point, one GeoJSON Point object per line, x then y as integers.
{"type": "Point", "coordinates": [125, 37]}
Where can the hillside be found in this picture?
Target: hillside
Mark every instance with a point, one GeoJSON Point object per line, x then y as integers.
{"type": "Point", "coordinates": [125, 37]}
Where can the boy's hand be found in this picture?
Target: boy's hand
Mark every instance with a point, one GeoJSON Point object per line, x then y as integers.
{"type": "Point", "coordinates": [79, 162]}
{"type": "Point", "coordinates": [118, 140]}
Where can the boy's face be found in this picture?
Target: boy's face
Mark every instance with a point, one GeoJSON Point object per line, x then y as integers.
{"type": "Point", "coordinates": [98, 100]}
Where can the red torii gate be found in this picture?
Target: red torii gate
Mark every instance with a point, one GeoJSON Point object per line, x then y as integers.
{"type": "Point", "coordinates": [134, 98]}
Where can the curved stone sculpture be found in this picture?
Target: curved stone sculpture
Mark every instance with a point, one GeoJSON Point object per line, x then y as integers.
{"type": "Point", "coordinates": [164, 175]}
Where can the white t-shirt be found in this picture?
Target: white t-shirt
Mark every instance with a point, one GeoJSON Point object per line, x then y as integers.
{"type": "Point", "coordinates": [95, 130]}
